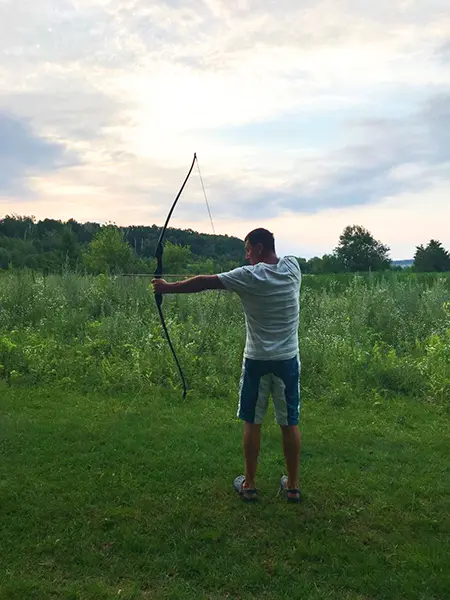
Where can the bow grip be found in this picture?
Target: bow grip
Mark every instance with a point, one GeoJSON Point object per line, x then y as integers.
{"type": "Point", "coordinates": [158, 273]}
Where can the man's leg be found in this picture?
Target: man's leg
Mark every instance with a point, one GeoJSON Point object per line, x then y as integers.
{"type": "Point", "coordinates": [252, 442]}
{"type": "Point", "coordinates": [253, 400]}
{"type": "Point", "coordinates": [286, 397]}
{"type": "Point", "coordinates": [291, 448]}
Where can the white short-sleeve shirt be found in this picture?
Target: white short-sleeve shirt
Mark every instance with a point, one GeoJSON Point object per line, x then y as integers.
{"type": "Point", "coordinates": [270, 296]}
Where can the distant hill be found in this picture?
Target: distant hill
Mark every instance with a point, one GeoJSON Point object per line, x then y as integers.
{"type": "Point", "coordinates": [50, 244]}
{"type": "Point", "coordinates": [408, 262]}
{"type": "Point", "coordinates": [52, 234]}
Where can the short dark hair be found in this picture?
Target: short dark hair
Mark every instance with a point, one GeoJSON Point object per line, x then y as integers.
{"type": "Point", "coordinates": [261, 236]}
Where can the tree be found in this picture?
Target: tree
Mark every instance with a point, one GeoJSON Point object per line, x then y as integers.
{"type": "Point", "coordinates": [57, 243]}
{"type": "Point", "coordinates": [315, 266]}
{"type": "Point", "coordinates": [4, 258]}
{"type": "Point", "coordinates": [108, 253]}
{"type": "Point", "coordinates": [331, 263]}
{"type": "Point", "coordinates": [176, 258]}
{"type": "Point", "coordinates": [433, 257]}
{"type": "Point", "coordinates": [304, 266]}
{"type": "Point", "coordinates": [358, 250]}
{"type": "Point", "coordinates": [17, 226]}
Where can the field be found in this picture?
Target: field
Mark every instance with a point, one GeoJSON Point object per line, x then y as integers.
{"type": "Point", "coordinates": [112, 486]}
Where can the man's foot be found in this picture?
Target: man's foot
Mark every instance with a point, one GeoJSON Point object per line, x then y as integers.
{"type": "Point", "coordinates": [291, 494]}
{"type": "Point", "coordinates": [247, 494]}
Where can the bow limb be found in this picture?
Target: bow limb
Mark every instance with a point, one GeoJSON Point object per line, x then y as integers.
{"type": "Point", "coordinates": [159, 272]}
{"type": "Point", "coordinates": [164, 326]}
{"type": "Point", "coordinates": [163, 231]}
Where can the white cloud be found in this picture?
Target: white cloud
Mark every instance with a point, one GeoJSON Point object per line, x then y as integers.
{"type": "Point", "coordinates": [135, 87]}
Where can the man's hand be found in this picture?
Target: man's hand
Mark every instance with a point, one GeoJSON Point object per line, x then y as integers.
{"type": "Point", "coordinates": [160, 286]}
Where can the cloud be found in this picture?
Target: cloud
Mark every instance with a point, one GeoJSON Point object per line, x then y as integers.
{"type": "Point", "coordinates": [72, 111]}
{"type": "Point", "coordinates": [397, 155]}
{"type": "Point", "coordinates": [443, 52]}
{"type": "Point", "coordinates": [294, 107]}
{"type": "Point", "coordinates": [23, 154]}
{"type": "Point", "coordinates": [60, 32]}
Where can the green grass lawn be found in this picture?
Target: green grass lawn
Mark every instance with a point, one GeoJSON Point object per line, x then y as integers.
{"type": "Point", "coordinates": [131, 497]}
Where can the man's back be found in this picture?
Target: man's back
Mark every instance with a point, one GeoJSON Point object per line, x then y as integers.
{"type": "Point", "coordinates": [270, 298]}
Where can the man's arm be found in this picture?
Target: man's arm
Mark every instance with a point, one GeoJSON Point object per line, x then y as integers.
{"type": "Point", "coordinates": [200, 283]}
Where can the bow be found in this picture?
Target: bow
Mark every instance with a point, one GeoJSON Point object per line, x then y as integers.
{"type": "Point", "coordinates": [159, 272]}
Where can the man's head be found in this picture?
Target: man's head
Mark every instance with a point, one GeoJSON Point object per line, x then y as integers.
{"type": "Point", "coordinates": [260, 246]}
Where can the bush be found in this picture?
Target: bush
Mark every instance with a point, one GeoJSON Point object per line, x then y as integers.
{"type": "Point", "coordinates": [361, 338]}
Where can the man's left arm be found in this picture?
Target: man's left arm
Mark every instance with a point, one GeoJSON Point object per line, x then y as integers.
{"type": "Point", "coordinates": [193, 285]}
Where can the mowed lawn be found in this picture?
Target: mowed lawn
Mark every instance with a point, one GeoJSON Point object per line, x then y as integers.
{"type": "Point", "coordinates": [131, 497]}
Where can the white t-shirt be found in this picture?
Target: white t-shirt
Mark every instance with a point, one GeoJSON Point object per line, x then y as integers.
{"type": "Point", "coordinates": [270, 296]}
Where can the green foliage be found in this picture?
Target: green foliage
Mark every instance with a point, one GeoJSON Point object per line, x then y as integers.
{"type": "Point", "coordinates": [48, 245]}
{"type": "Point", "coordinates": [176, 258]}
{"type": "Point", "coordinates": [359, 336]}
{"type": "Point", "coordinates": [329, 263]}
{"type": "Point", "coordinates": [432, 258]}
{"type": "Point", "coordinates": [109, 253]}
{"type": "Point", "coordinates": [91, 451]}
{"type": "Point", "coordinates": [359, 251]}
{"type": "Point", "coordinates": [16, 226]}
{"type": "Point", "coordinates": [52, 246]}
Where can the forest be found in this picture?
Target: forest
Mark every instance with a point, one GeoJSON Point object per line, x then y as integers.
{"type": "Point", "coordinates": [51, 246]}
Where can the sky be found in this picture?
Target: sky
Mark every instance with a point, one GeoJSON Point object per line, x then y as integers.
{"type": "Point", "coordinates": [306, 116]}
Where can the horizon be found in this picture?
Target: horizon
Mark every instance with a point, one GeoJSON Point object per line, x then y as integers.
{"type": "Point", "coordinates": [411, 258]}
{"type": "Point", "coordinates": [306, 116]}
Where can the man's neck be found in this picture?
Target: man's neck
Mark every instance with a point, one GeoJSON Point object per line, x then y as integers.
{"type": "Point", "coordinates": [270, 259]}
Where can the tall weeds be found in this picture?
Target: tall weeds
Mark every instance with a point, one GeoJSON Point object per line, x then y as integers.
{"type": "Point", "coordinates": [361, 338]}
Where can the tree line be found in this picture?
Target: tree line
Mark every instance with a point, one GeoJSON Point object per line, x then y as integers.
{"type": "Point", "coordinates": [52, 245]}
{"type": "Point", "coordinates": [358, 251]}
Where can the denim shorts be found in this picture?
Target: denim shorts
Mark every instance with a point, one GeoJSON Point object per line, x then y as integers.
{"type": "Point", "coordinates": [262, 378]}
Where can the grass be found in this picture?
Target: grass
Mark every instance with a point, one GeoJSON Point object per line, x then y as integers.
{"type": "Point", "coordinates": [374, 338]}
{"type": "Point", "coordinates": [129, 496]}
{"type": "Point", "coordinates": [112, 487]}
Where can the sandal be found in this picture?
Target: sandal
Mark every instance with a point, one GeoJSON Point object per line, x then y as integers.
{"type": "Point", "coordinates": [292, 494]}
{"type": "Point", "coordinates": [247, 494]}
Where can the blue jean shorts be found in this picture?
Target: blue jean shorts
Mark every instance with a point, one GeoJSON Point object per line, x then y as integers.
{"type": "Point", "coordinates": [262, 378]}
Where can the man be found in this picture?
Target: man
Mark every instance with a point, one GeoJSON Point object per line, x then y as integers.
{"type": "Point", "coordinates": [269, 290]}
